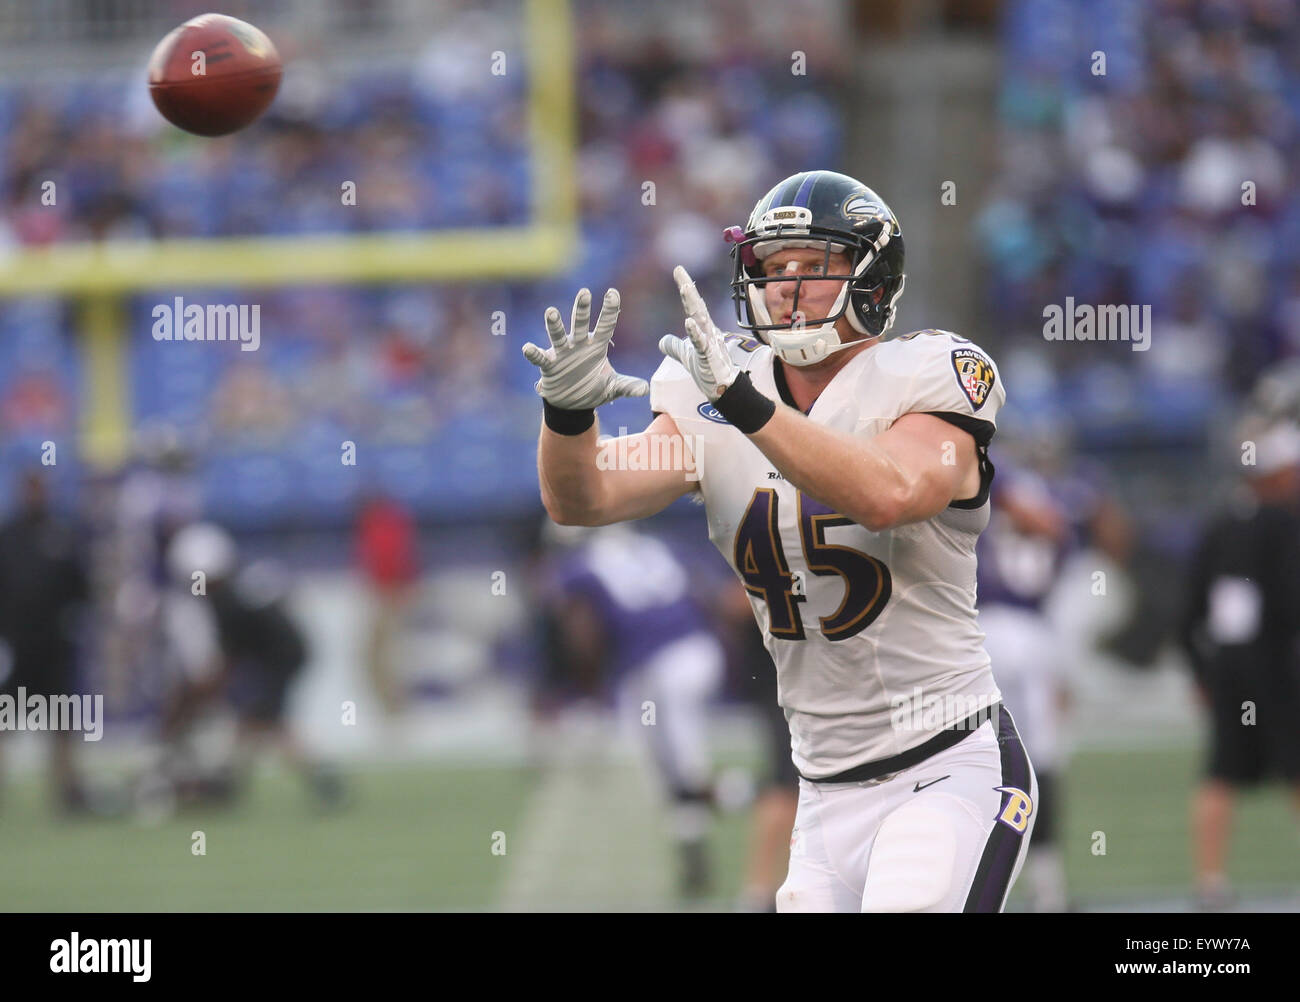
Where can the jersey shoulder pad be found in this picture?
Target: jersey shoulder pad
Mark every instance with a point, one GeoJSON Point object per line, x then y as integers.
{"type": "Point", "coordinates": [946, 373]}
{"type": "Point", "coordinates": [673, 390]}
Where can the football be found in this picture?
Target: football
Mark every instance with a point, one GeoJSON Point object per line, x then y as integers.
{"type": "Point", "coordinates": [214, 75]}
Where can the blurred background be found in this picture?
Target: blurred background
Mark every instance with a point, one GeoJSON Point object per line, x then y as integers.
{"type": "Point", "coordinates": [409, 691]}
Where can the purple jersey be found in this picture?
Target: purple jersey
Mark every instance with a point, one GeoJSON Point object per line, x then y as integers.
{"type": "Point", "coordinates": [639, 591]}
{"type": "Point", "coordinates": [1019, 568]}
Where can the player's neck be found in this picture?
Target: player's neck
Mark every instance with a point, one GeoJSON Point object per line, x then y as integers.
{"type": "Point", "coordinates": [806, 382]}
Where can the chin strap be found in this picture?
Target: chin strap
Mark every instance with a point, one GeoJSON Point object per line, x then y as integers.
{"type": "Point", "coordinates": [809, 346]}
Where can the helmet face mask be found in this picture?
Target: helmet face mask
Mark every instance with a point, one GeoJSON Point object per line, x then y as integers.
{"type": "Point", "coordinates": [835, 214]}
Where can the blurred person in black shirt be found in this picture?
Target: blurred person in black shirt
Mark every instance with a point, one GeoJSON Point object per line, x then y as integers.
{"type": "Point", "coordinates": [43, 585]}
{"type": "Point", "coordinates": [236, 642]}
{"type": "Point", "coordinates": [1240, 630]}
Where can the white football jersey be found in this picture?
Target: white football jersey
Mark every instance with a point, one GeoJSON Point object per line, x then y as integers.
{"type": "Point", "coordinates": [874, 634]}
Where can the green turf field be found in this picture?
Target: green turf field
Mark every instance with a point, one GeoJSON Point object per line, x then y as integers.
{"type": "Point", "coordinates": [1141, 801]}
{"type": "Point", "coordinates": [421, 837]}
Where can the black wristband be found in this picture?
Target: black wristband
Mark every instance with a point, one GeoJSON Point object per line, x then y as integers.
{"type": "Point", "coordinates": [564, 422]}
{"type": "Point", "coordinates": [744, 406]}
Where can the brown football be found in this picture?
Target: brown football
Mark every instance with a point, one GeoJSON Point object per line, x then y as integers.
{"type": "Point", "coordinates": [214, 75]}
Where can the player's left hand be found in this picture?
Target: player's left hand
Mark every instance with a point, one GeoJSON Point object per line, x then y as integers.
{"type": "Point", "coordinates": [705, 354]}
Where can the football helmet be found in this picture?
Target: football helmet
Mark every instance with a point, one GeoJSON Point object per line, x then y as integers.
{"type": "Point", "coordinates": [819, 209]}
{"type": "Point", "coordinates": [202, 546]}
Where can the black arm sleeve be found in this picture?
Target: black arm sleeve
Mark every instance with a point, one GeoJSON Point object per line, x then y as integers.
{"type": "Point", "coordinates": [979, 429]}
{"type": "Point", "coordinates": [1191, 633]}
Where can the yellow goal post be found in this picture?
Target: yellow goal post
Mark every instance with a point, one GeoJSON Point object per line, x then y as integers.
{"type": "Point", "coordinates": [100, 275]}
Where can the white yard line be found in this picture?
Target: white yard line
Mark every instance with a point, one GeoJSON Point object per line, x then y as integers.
{"type": "Point", "coordinates": [593, 834]}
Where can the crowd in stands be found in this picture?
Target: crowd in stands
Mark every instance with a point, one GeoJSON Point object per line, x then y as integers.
{"type": "Point", "coordinates": [683, 122]}
{"type": "Point", "coordinates": [1149, 154]}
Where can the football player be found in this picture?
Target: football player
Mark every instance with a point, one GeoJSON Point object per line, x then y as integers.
{"type": "Point", "coordinates": [623, 602]}
{"type": "Point", "coordinates": [1048, 506]}
{"type": "Point", "coordinates": [238, 641]}
{"type": "Point", "coordinates": [1020, 555]}
{"type": "Point", "coordinates": [846, 480]}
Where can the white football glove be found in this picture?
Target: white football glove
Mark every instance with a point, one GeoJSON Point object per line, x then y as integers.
{"type": "Point", "coordinates": [705, 355]}
{"type": "Point", "coordinates": [576, 372]}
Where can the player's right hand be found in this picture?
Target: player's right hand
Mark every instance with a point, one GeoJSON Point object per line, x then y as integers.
{"type": "Point", "coordinates": [703, 352]}
{"type": "Point", "coordinates": [576, 372]}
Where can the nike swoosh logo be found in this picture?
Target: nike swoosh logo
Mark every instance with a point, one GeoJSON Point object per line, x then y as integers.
{"type": "Point", "coordinates": [918, 787]}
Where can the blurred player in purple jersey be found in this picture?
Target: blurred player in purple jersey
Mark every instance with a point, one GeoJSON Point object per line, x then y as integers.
{"type": "Point", "coordinates": [1040, 517]}
{"type": "Point", "coordinates": [776, 799]}
{"type": "Point", "coordinates": [157, 494]}
{"type": "Point", "coordinates": [624, 610]}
